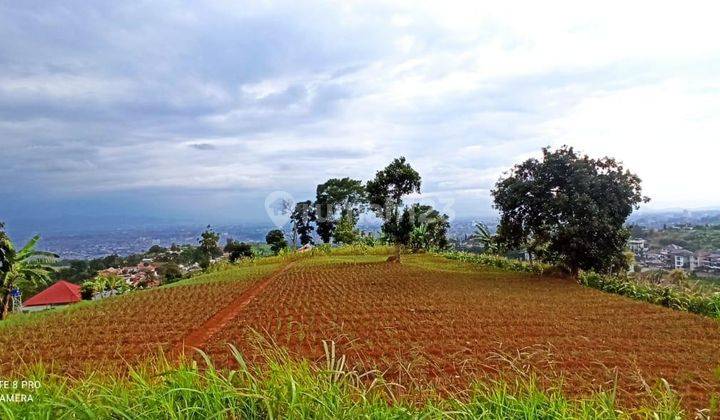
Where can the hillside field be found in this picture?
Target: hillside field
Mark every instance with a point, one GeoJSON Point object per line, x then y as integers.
{"type": "Point", "coordinates": [428, 325]}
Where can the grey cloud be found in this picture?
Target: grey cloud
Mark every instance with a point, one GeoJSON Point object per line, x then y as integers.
{"type": "Point", "coordinates": [139, 90]}
{"type": "Point", "coordinates": [203, 146]}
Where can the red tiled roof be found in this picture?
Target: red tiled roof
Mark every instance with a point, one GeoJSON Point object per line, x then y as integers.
{"type": "Point", "coordinates": [59, 293]}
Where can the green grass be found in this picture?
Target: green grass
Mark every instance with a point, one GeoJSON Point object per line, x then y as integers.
{"type": "Point", "coordinates": [243, 271]}
{"type": "Point", "coordinates": [286, 388]}
{"type": "Point", "coordinates": [283, 388]}
{"type": "Point", "coordinates": [699, 303]}
{"type": "Point", "coordinates": [497, 262]}
{"type": "Point", "coordinates": [232, 272]}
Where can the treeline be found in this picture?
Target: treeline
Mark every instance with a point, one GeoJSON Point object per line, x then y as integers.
{"type": "Point", "coordinates": [339, 202]}
{"type": "Point", "coordinates": [167, 259]}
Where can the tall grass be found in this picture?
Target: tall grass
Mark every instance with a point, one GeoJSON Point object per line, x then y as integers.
{"type": "Point", "coordinates": [496, 261]}
{"type": "Point", "coordinates": [284, 388]}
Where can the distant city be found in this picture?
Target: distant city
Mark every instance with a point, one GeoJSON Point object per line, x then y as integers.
{"type": "Point", "coordinates": [93, 243]}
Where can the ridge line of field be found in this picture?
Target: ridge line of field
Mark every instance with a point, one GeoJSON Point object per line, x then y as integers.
{"type": "Point", "coordinates": [199, 336]}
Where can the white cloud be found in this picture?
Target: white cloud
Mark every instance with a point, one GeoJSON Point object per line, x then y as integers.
{"type": "Point", "coordinates": [247, 98]}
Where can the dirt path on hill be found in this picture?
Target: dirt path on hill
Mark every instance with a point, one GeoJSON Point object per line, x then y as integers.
{"type": "Point", "coordinates": [199, 336]}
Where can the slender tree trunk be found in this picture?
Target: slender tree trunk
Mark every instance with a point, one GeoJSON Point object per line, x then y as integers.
{"type": "Point", "coordinates": [5, 303]}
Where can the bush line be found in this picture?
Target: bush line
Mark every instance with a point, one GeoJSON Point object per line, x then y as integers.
{"type": "Point", "coordinates": [708, 305]}
{"type": "Point", "coordinates": [702, 304]}
{"type": "Point", "coordinates": [496, 261]}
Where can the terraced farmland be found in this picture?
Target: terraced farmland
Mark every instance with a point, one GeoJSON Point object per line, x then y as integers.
{"type": "Point", "coordinates": [107, 334]}
{"type": "Point", "coordinates": [428, 323]}
{"type": "Point", "coordinates": [433, 323]}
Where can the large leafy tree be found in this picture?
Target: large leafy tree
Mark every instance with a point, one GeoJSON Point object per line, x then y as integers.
{"type": "Point", "coordinates": [337, 199]}
{"type": "Point", "coordinates": [569, 209]}
{"type": "Point", "coordinates": [209, 247]}
{"type": "Point", "coordinates": [27, 265]}
{"type": "Point", "coordinates": [302, 218]}
{"type": "Point", "coordinates": [385, 193]}
{"type": "Point", "coordinates": [276, 239]}
{"type": "Point", "coordinates": [237, 250]}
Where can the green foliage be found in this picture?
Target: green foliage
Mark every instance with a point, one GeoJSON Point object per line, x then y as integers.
{"type": "Point", "coordinates": [108, 283]}
{"type": "Point", "coordinates": [424, 227]}
{"type": "Point", "coordinates": [302, 218]}
{"type": "Point", "coordinates": [482, 236]}
{"type": "Point", "coordinates": [385, 193]}
{"type": "Point", "coordinates": [670, 297]}
{"type": "Point", "coordinates": [419, 238]}
{"type": "Point", "coordinates": [87, 290]}
{"type": "Point", "coordinates": [21, 268]}
{"type": "Point", "coordinates": [344, 196]}
{"type": "Point", "coordinates": [346, 232]}
{"type": "Point", "coordinates": [209, 243]}
{"type": "Point", "coordinates": [276, 239]}
{"type": "Point", "coordinates": [695, 239]}
{"type": "Point", "coordinates": [156, 249]}
{"type": "Point", "coordinates": [496, 261]}
{"type": "Point", "coordinates": [169, 272]}
{"type": "Point", "coordinates": [281, 387]}
{"type": "Point", "coordinates": [569, 209]}
{"type": "Point", "coordinates": [237, 250]}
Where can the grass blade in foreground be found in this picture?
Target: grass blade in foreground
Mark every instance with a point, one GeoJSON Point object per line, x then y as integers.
{"type": "Point", "coordinates": [290, 389]}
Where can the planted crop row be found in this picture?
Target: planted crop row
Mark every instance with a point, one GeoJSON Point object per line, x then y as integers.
{"type": "Point", "coordinates": [108, 333]}
{"type": "Point", "coordinates": [443, 329]}
{"type": "Point", "coordinates": [702, 304]}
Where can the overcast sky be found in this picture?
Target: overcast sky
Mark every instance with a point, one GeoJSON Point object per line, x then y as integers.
{"type": "Point", "coordinates": [197, 111]}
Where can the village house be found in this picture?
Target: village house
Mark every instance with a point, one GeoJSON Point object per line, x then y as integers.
{"type": "Point", "coordinates": [709, 261]}
{"type": "Point", "coordinates": [638, 246]}
{"type": "Point", "coordinates": [60, 293]}
{"type": "Point", "coordinates": [677, 257]}
{"type": "Point", "coordinates": [142, 275]}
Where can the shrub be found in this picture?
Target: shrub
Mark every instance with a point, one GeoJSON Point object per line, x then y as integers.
{"type": "Point", "coordinates": [87, 290]}
{"type": "Point", "coordinates": [498, 262]}
{"type": "Point", "coordinates": [689, 301]}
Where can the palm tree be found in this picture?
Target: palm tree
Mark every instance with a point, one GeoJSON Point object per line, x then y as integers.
{"type": "Point", "coordinates": [483, 237]}
{"type": "Point", "coordinates": [27, 265]}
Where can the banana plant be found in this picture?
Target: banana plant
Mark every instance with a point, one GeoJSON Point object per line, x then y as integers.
{"type": "Point", "coordinates": [484, 238]}
{"type": "Point", "coordinates": [26, 265]}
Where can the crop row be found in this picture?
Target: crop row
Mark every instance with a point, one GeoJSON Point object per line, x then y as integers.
{"type": "Point", "coordinates": [442, 329]}
{"type": "Point", "coordinates": [121, 329]}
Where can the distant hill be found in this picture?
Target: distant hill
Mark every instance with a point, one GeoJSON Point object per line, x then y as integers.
{"type": "Point", "coordinates": [659, 219]}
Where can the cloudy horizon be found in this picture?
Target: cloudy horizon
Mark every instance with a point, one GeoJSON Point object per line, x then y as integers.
{"type": "Point", "coordinates": [198, 110]}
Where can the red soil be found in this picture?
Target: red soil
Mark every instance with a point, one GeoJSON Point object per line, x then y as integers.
{"type": "Point", "coordinates": [124, 329]}
{"type": "Point", "coordinates": [443, 329]}
{"type": "Point", "coordinates": [197, 337]}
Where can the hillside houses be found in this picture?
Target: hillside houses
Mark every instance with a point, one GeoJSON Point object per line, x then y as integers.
{"type": "Point", "coordinates": [142, 275]}
{"type": "Point", "coordinates": [674, 256]}
{"type": "Point", "coordinates": [638, 246]}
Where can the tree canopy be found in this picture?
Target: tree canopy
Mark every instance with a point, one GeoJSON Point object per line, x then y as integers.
{"type": "Point", "coordinates": [391, 184]}
{"type": "Point", "coordinates": [385, 193]}
{"type": "Point", "coordinates": [209, 246]}
{"type": "Point", "coordinates": [569, 209]}
{"type": "Point", "coordinates": [276, 239]}
{"type": "Point", "coordinates": [302, 218]}
{"type": "Point", "coordinates": [237, 250]}
{"type": "Point", "coordinates": [345, 196]}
